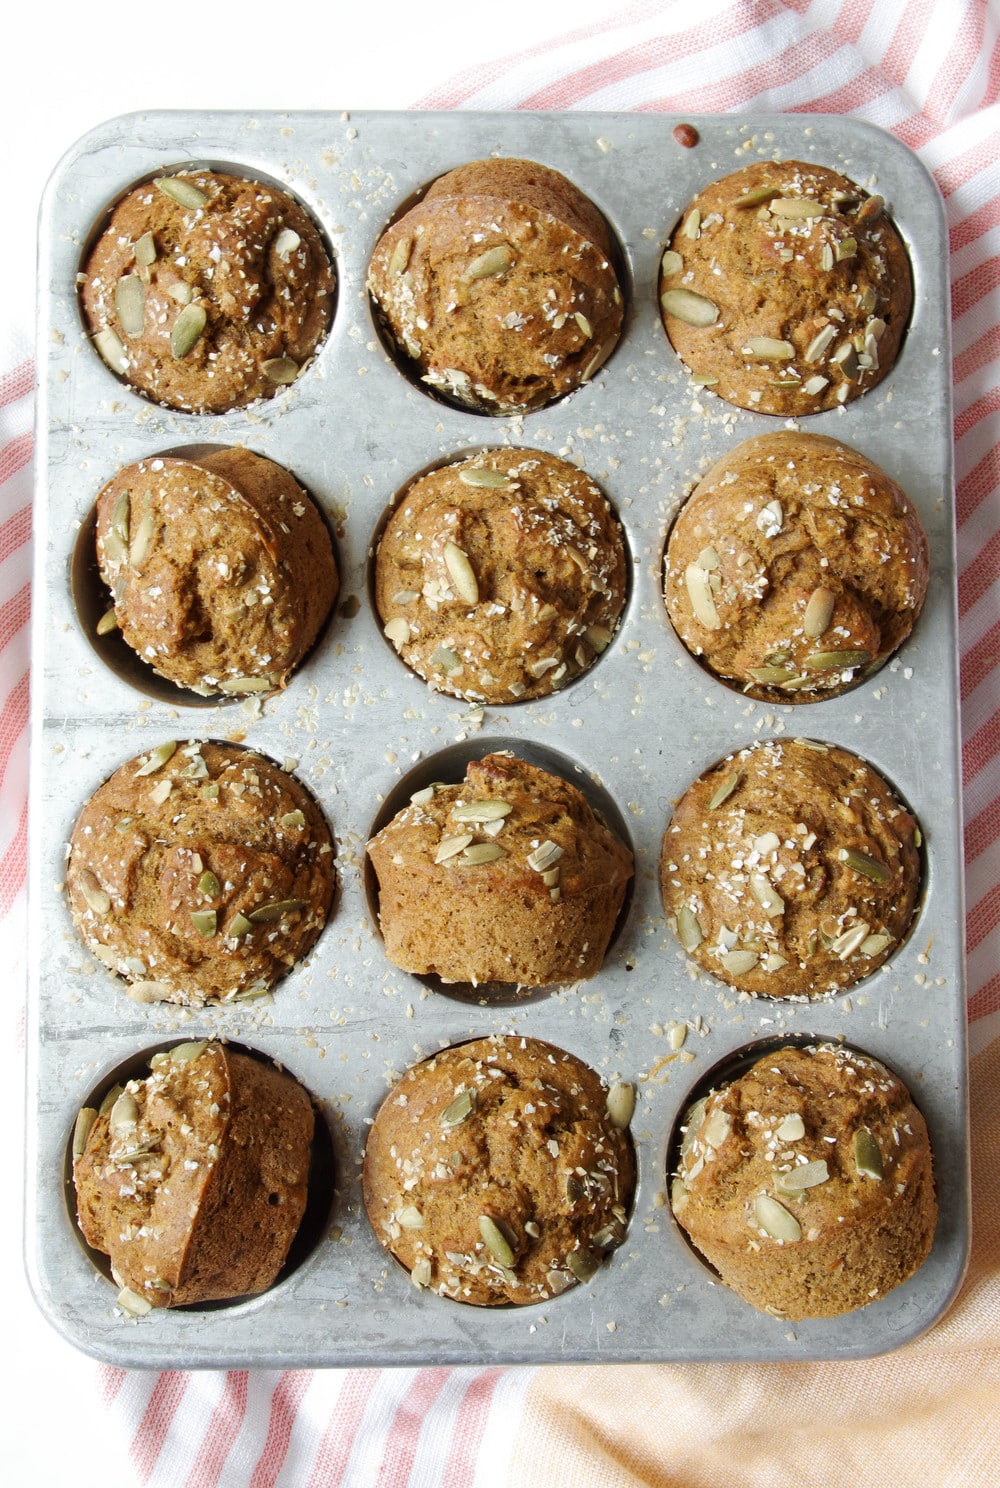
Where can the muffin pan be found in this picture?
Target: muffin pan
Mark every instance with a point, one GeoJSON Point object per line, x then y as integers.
{"type": "Point", "coordinates": [633, 731]}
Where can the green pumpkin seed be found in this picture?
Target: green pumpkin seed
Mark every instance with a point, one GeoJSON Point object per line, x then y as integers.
{"type": "Point", "coordinates": [768, 349]}
{"type": "Point", "coordinates": [268, 913]}
{"type": "Point", "coordinates": [239, 926]}
{"type": "Point", "coordinates": [871, 209]}
{"type": "Point", "coordinates": [847, 248]}
{"type": "Point", "coordinates": [97, 899]}
{"type": "Point", "coordinates": [757, 196]}
{"type": "Point", "coordinates": [184, 193]}
{"type": "Point", "coordinates": [112, 351]}
{"type": "Point", "coordinates": [459, 1109]}
{"type": "Point", "coordinates": [836, 661]}
{"type": "Point", "coordinates": [724, 790]}
{"type": "Point", "coordinates": [400, 256]}
{"type": "Point", "coordinates": [806, 1175]}
{"type": "Point", "coordinates": [142, 541]}
{"type": "Point", "coordinates": [693, 309]}
{"type": "Point", "coordinates": [204, 921]}
{"type": "Point", "coordinates": [496, 1241]}
{"type": "Point", "coordinates": [130, 304]}
{"type": "Point", "coordinates": [185, 1053]}
{"type": "Point", "coordinates": [621, 1104]}
{"type": "Point", "coordinates": [670, 264]}
{"type": "Point", "coordinates": [797, 207]}
{"type": "Point", "coordinates": [81, 1130]}
{"type": "Point", "coordinates": [107, 623]}
{"type": "Point", "coordinates": [293, 819]}
{"type": "Point", "coordinates": [696, 581]}
{"type": "Point", "coordinates": [124, 1114]}
{"type": "Point", "coordinates": [145, 250]}
{"type": "Point", "coordinates": [187, 330]}
{"type": "Point", "coordinates": [583, 325]}
{"type": "Point", "coordinates": [867, 1155]}
{"type": "Point", "coordinates": [482, 811]}
{"type": "Point", "coordinates": [868, 867]}
{"type": "Point", "coordinates": [767, 896]}
{"type": "Point", "coordinates": [771, 676]}
{"type": "Point", "coordinates": [481, 475]}
{"type": "Point", "coordinates": [180, 292]}
{"type": "Point", "coordinates": [444, 659]}
{"type": "Point", "coordinates": [820, 343]}
{"type": "Point", "coordinates": [209, 885]}
{"type": "Point", "coordinates": [874, 945]}
{"type": "Point", "coordinates": [158, 757]}
{"type": "Point", "coordinates": [716, 1128]}
{"type": "Point", "coordinates": [244, 686]}
{"type": "Point", "coordinates": [689, 931]}
{"type": "Point", "coordinates": [544, 856]}
{"type": "Point", "coordinates": [737, 962]}
{"type": "Point", "coordinates": [462, 573]}
{"type": "Point", "coordinates": [819, 613]}
{"type": "Point", "coordinates": [280, 370]}
{"type": "Point", "coordinates": [410, 1218]}
{"type": "Point", "coordinates": [583, 1264]}
{"type": "Point", "coordinates": [450, 847]}
{"type": "Point", "coordinates": [483, 852]}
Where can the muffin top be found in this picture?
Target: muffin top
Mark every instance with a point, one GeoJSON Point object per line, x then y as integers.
{"type": "Point", "coordinates": [790, 869]}
{"type": "Point", "coordinates": [813, 1147]}
{"type": "Point", "coordinates": [508, 876]}
{"type": "Point", "coordinates": [499, 286]}
{"type": "Point", "coordinates": [500, 1171]}
{"type": "Point", "coordinates": [502, 577]}
{"type": "Point", "coordinates": [221, 569]}
{"type": "Point", "coordinates": [193, 1180]}
{"type": "Point", "coordinates": [206, 291]}
{"type": "Point", "coordinates": [795, 567]}
{"type": "Point", "coordinates": [785, 288]}
{"type": "Point", "coordinates": [200, 871]}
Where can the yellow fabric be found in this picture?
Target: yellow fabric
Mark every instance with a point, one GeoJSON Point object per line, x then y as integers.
{"type": "Point", "coordinates": [928, 1414]}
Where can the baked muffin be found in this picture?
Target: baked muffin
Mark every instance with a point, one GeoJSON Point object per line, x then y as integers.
{"type": "Point", "coordinates": [200, 871]}
{"type": "Point", "coordinates": [786, 288]}
{"type": "Point", "coordinates": [789, 869]}
{"type": "Point", "coordinates": [795, 568]}
{"type": "Point", "coordinates": [502, 577]}
{"type": "Point", "coordinates": [506, 877]}
{"type": "Point", "coordinates": [807, 1183]}
{"type": "Point", "coordinates": [499, 286]}
{"type": "Point", "coordinates": [500, 1171]}
{"type": "Point", "coordinates": [194, 1179]}
{"type": "Point", "coordinates": [221, 569]}
{"type": "Point", "coordinates": [207, 292]}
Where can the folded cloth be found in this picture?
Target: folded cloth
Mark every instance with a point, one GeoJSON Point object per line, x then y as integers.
{"type": "Point", "coordinates": [927, 70]}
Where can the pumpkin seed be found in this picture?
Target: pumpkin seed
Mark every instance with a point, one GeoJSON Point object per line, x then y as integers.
{"type": "Point", "coordinates": [583, 1264]}
{"type": "Point", "coordinates": [180, 292]}
{"type": "Point", "coordinates": [482, 811]}
{"type": "Point", "coordinates": [292, 819]}
{"type": "Point", "coordinates": [107, 622]}
{"type": "Point", "coordinates": [158, 757]}
{"type": "Point", "coordinates": [867, 1154]}
{"type": "Point", "coordinates": [847, 248]}
{"type": "Point", "coordinates": [286, 242]}
{"type": "Point", "coordinates": [696, 581]}
{"type": "Point", "coordinates": [496, 1241]}
{"type": "Point", "coordinates": [791, 1129]}
{"type": "Point", "coordinates": [130, 304]}
{"type": "Point", "coordinates": [97, 899]}
{"type": "Point", "coordinates": [187, 330]}
{"type": "Point", "coordinates": [598, 637]}
{"type": "Point", "coordinates": [147, 991]}
{"type": "Point", "coordinates": [239, 926]}
{"type": "Point", "coordinates": [689, 931]}
{"type": "Point", "coordinates": [716, 1128]}
{"type": "Point", "coordinates": [444, 659]}
{"type": "Point", "coordinates": [241, 686]}
{"type": "Point", "coordinates": [768, 349]}
{"type": "Point", "coordinates": [184, 193]}
{"type": "Point", "coordinates": [280, 370]}
{"type": "Point", "coordinates": [124, 1114]}
{"type": "Point", "coordinates": [670, 264]}
{"type": "Point", "coordinates": [805, 1175]}
{"type": "Point", "coordinates": [492, 263]}
{"type": "Point", "coordinates": [775, 1220]}
{"type": "Point", "coordinates": [397, 630]}
{"type": "Point", "coordinates": [868, 867]}
{"type": "Point", "coordinates": [870, 209]}
{"type": "Point", "coordinates": [819, 613]}
{"type": "Point", "coordinates": [420, 1275]}
{"type": "Point", "coordinates": [846, 358]}
{"type": "Point", "coordinates": [874, 945]}
{"type": "Point", "coordinates": [691, 226]}
{"type": "Point", "coordinates": [771, 676]}
{"type": "Point", "coordinates": [450, 847]}
{"type": "Point", "coordinates": [400, 256]}
{"type": "Point", "coordinates": [81, 1130]}
{"type": "Point", "coordinates": [836, 661]}
{"type": "Point", "coordinates": [410, 1217]}
{"type": "Point", "coordinates": [483, 852]}
{"type": "Point", "coordinates": [131, 1302]}
{"type": "Point", "coordinates": [814, 385]}
{"type": "Point", "coordinates": [481, 475]}
{"type": "Point", "coordinates": [462, 573]}
{"type": "Point", "coordinates": [209, 885]}
{"type": "Point", "coordinates": [693, 309]}
{"type": "Point", "coordinates": [767, 896]}
{"type": "Point", "coordinates": [145, 250]}
{"type": "Point", "coordinates": [459, 1109]}
{"type": "Point", "coordinates": [738, 962]}
{"type": "Point", "coordinates": [112, 351]}
{"type": "Point", "coordinates": [724, 790]}
{"type": "Point", "coordinates": [708, 559]}
{"type": "Point", "coordinates": [187, 1052]}
{"type": "Point", "coordinates": [204, 921]}
{"type": "Point", "coordinates": [276, 910]}
{"type": "Point", "coordinates": [755, 197]}
{"type": "Point", "coordinates": [621, 1104]}
{"type": "Point", "coordinates": [797, 206]}
{"type": "Point", "coordinates": [584, 325]}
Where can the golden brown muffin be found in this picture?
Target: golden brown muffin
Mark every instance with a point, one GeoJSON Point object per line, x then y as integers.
{"type": "Point", "coordinates": [502, 577]}
{"type": "Point", "coordinates": [790, 869]}
{"type": "Point", "coordinates": [200, 871]}
{"type": "Point", "coordinates": [786, 288]}
{"type": "Point", "coordinates": [499, 286]}
{"type": "Point", "coordinates": [194, 1179]}
{"type": "Point", "coordinates": [207, 292]}
{"type": "Point", "coordinates": [507, 877]}
{"type": "Point", "coordinates": [221, 569]}
{"type": "Point", "coordinates": [500, 1171]}
{"type": "Point", "coordinates": [807, 1183]}
{"type": "Point", "coordinates": [796, 567]}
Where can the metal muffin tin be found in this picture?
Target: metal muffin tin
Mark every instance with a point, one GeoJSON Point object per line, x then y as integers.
{"type": "Point", "coordinates": [642, 723]}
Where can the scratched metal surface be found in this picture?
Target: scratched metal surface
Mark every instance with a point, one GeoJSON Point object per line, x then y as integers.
{"type": "Point", "coordinates": [637, 729]}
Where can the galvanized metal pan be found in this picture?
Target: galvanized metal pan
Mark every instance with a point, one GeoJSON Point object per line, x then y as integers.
{"type": "Point", "coordinates": [635, 730]}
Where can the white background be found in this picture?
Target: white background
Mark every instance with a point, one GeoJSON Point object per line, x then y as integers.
{"type": "Point", "coordinates": [66, 71]}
